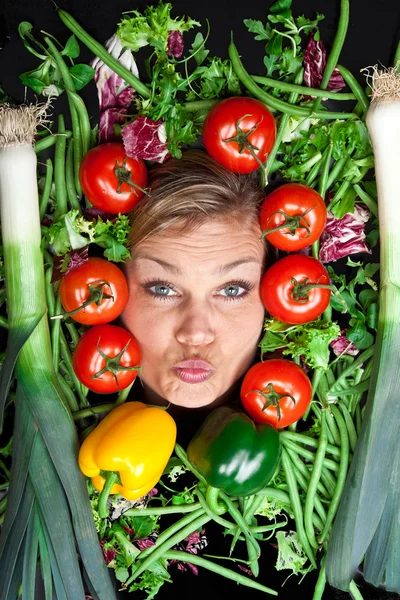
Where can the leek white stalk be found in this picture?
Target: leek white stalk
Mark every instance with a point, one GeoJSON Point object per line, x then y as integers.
{"type": "Point", "coordinates": [47, 491]}
{"type": "Point", "coordinates": [367, 525]}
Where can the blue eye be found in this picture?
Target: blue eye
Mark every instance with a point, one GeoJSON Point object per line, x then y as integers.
{"type": "Point", "coordinates": [161, 290]}
{"type": "Point", "coordinates": [233, 290]}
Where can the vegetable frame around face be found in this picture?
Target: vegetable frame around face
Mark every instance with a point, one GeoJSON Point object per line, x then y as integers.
{"type": "Point", "coordinates": [234, 454]}
{"type": "Point", "coordinates": [132, 444]}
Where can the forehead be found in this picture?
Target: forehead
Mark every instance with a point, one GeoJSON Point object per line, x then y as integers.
{"type": "Point", "coordinates": [212, 244]}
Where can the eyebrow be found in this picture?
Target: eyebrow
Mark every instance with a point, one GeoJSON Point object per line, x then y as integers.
{"type": "Point", "coordinates": [218, 272]}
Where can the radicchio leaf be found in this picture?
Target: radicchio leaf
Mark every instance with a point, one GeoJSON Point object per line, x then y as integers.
{"type": "Point", "coordinates": [314, 67]}
{"type": "Point", "coordinates": [145, 139]}
{"type": "Point", "coordinates": [344, 236]}
{"type": "Point", "coordinates": [175, 44]}
{"type": "Point", "coordinates": [66, 263]}
{"type": "Point", "coordinates": [114, 94]}
{"type": "Point", "coordinates": [341, 345]}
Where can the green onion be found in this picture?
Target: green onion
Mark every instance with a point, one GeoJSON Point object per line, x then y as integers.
{"type": "Point", "coordinates": [367, 523]}
{"type": "Point", "coordinates": [47, 491]}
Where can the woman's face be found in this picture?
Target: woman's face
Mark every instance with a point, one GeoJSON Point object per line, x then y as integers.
{"type": "Point", "coordinates": [195, 309]}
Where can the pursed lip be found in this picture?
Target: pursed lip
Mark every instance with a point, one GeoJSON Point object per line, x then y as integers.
{"type": "Point", "coordinates": [194, 363]}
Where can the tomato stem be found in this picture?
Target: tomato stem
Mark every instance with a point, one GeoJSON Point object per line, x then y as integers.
{"type": "Point", "coordinates": [112, 363]}
{"type": "Point", "coordinates": [291, 222]}
{"type": "Point", "coordinates": [96, 296]}
{"type": "Point", "coordinates": [123, 175]}
{"type": "Point", "coordinates": [242, 140]}
{"type": "Point", "coordinates": [272, 398]}
{"type": "Point", "coordinates": [300, 291]}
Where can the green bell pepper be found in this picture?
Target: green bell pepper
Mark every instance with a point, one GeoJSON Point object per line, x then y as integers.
{"type": "Point", "coordinates": [233, 453]}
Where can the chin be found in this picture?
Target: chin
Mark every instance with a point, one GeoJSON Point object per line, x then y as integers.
{"type": "Point", "coordinates": [193, 395]}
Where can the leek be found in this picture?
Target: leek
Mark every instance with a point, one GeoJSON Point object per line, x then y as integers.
{"type": "Point", "coordinates": [48, 511]}
{"type": "Point", "coordinates": [367, 525]}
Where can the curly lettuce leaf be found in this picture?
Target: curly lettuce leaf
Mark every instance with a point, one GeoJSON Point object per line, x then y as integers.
{"type": "Point", "coordinates": [73, 231]}
{"type": "Point", "coordinates": [152, 27]}
{"type": "Point", "coordinates": [291, 554]}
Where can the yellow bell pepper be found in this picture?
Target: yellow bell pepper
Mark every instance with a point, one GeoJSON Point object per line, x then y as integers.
{"type": "Point", "coordinates": [128, 451]}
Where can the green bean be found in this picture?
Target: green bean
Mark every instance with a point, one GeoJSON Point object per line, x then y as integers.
{"type": "Point", "coordinates": [336, 47]}
{"type": "Point", "coordinates": [162, 510]}
{"type": "Point", "coordinates": [69, 178]}
{"type": "Point", "coordinates": [301, 89]}
{"type": "Point", "coordinates": [355, 87]}
{"type": "Point", "coordinates": [83, 120]}
{"type": "Point", "coordinates": [308, 441]}
{"type": "Point", "coordinates": [50, 140]}
{"type": "Point", "coordinates": [169, 543]}
{"type": "Point", "coordinates": [396, 60]}
{"type": "Point", "coordinates": [195, 559]}
{"type": "Point", "coordinates": [281, 129]}
{"type": "Point", "coordinates": [251, 552]}
{"type": "Point", "coordinates": [238, 517]}
{"type": "Point", "coordinates": [3, 322]}
{"type": "Point", "coordinates": [102, 53]}
{"type": "Point", "coordinates": [313, 483]}
{"type": "Point", "coordinates": [66, 356]}
{"type": "Point", "coordinates": [361, 387]}
{"type": "Point", "coordinates": [3, 504]}
{"type": "Point", "coordinates": [98, 409]}
{"type": "Point", "coordinates": [199, 105]}
{"type": "Point", "coordinates": [305, 166]}
{"type": "Point", "coordinates": [328, 480]}
{"type": "Point", "coordinates": [333, 428]}
{"type": "Point", "coordinates": [305, 473]}
{"type": "Point", "coordinates": [275, 494]}
{"type": "Point", "coordinates": [323, 180]}
{"type": "Point", "coordinates": [50, 299]}
{"type": "Point", "coordinates": [73, 333]}
{"type": "Point", "coordinates": [363, 357]}
{"type": "Point", "coordinates": [69, 86]}
{"type": "Point", "coordinates": [217, 518]}
{"type": "Point", "coordinates": [329, 464]}
{"type": "Point", "coordinates": [181, 454]}
{"type": "Point", "coordinates": [59, 172]}
{"type": "Point", "coordinates": [124, 394]}
{"type": "Point", "coordinates": [321, 581]}
{"type": "Point", "coordinates": [354, 591]}
{"type": "Point", "coordinates": [55, 335]}
{"type": "Point", "coordinates": [368, 201]}
{"type": "Point", "coordinates": [341, 477]}
{"type": "Point", "coordinates": [44, 200]}
{"type": "Point", "coordinates": [358, 419]}
{"type": "Point", "coordinates": [177, 526]}
{"type": "Point", "coordinates": [296, 505]}
{"type": "Point", "coordinates": [335, 172]}
{"type": "Point", "coordinates": [312, 175]}
{"type": "Point", "coordinates": [272, 102]}
{"type": "Point", "coordinates": [68, 393]}
{"type": "Point", "coordinates": [342, 189]}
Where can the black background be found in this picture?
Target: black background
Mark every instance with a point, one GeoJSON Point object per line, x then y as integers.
{"type": "Point", "coordinates": [372, 37]}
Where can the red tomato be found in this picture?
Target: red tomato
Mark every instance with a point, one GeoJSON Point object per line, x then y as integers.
{"type": "Point", "coordinates": [237, 117]}
{"type": "Point", "coordinates": [111, 341]}
{"type": "Point", "coordinates": [306, 207]}
{"type": "Point", "coordinates": [286, 388]}
{"type": "Point", "coordinates": [107, 284]}
{"type": "Point", "coordinates": [290, 292]}
{"type": "Point", "coordinates": [111, 180]}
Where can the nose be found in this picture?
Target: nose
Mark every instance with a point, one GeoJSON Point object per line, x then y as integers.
{"type": "Point", "coordinates": [195, 326]}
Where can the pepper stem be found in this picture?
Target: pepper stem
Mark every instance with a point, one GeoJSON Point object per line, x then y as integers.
{"type": "Point", "coordinates": [217, 507]}
{"type": "Point", "coordinates": [105, 492]}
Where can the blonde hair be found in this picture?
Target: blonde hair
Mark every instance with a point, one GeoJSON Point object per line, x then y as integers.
{"type": "Point", "coordinates": [190, 191]}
